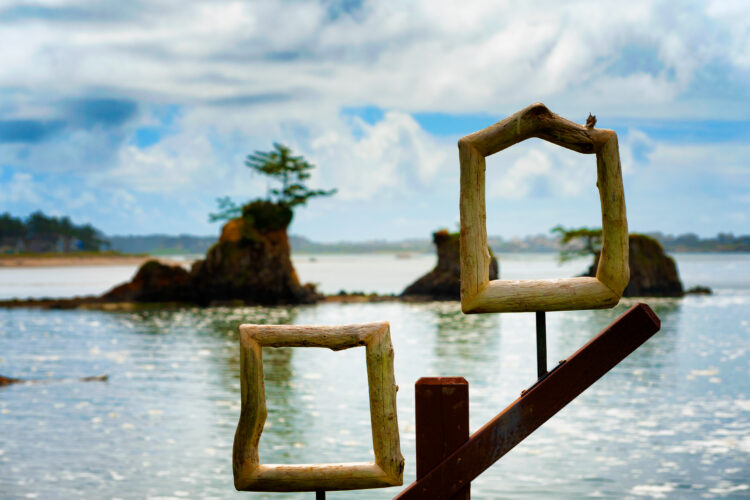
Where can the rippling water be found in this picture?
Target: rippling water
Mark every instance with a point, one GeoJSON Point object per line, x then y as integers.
{"type": "Point", "coordinates": [671, 421]}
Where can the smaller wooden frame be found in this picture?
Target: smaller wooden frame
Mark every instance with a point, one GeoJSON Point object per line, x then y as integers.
{"type": "Point", "coordinates": [388, 467]}
{"type": "Point", "coordinates": [478, 293]}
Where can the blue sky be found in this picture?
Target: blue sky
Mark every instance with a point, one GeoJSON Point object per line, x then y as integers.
{"type": "Point", "coordinates": [135, 116]}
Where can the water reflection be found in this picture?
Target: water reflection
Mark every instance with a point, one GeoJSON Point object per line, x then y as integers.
{"type": "Point", "coordinates": [223, 323]}
{"type": "Point", "coordinates": [285, 424]}
{"type": "Point", "coordinates": [672, 419]}
{"type": "Point", "coordinates": [464, 342]}
{"type": "Point", "coordinates": [580, 326]}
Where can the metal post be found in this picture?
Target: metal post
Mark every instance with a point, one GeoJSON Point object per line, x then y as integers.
{"type": "Point", "coordinates": [442, 418]}
{"type": "Point", "coordinates": [541, 344]}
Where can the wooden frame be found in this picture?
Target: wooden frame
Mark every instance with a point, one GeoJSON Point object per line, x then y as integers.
{"type": "Point", "coordinates": [478, 293]}
{"type": "Point", "coordinates": [388, 467]}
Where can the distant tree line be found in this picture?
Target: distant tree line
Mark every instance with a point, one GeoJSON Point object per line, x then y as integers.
{"type": "Point", "coordinates": [690, 242]}
{"type": "Point", "coordinates": [579, 242]}
{"type": "Point", "coordinates": [575, 242]}
{"type": "Point", "coordinates": [41, 233]}
{"type": "Point", "coordinates": [162, 244]}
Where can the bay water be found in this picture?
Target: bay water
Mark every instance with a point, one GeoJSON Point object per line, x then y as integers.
{"type": "Point", "coordinates": [671, 421]}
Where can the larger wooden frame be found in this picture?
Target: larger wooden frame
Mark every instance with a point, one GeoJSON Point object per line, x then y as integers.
{"type": "Point", "coordinates": [478, 293]}
{"type": "Point", "coordinates": [388, 467]}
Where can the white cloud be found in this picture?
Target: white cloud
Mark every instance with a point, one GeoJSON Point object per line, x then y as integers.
{"type": "Point", "coordinates": [167, 167]}
{"type": "Point", "coordinates": [467, 56]}
{"type": "Point", "coordinates": [285, 70]}
{"type": "Point", "coordinates": [394, 156]}
{"type": "Point", "coordinates": [20, 188]}
{"type": "Point", "coordinates": [719, 160]}
{"type": "Point", "coordinates": [732, 16]}
{"type": "Point", "coordinates": [540, 169]}
{"type": "Point", "coordinates": [204, 158]}
{"type": "Point", "coordinates": [518, 181]}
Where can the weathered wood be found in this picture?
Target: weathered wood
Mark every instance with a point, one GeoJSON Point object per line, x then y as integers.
{"type": "Point", "coordinates": [537, 121]}
{"type": "Point", "coordinates": [613, 269]}
{"type": "Point", "coordinates": [313, 477]}
{"type": "Point", "coordinates": [442, 422]}
{"type": "Point", "coordinates": [475, 256]}
{"type": "Point", "coordinates": [383, 418]}
{"type": "Point", "coordinates": [253, 411]}
{"type": "Point", "coordinates": [478, 294]}
{"type": "Point", "coordinates": [386, 470]}
{"type": "Point", "coordinates": [336, 337]}
{"type": "Point", "coordinates": [543, 295]}
{"type": "Point", "coordinates": [537, 405]}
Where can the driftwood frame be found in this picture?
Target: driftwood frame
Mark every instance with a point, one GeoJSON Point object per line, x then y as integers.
{"type": "Point", "coordinates": [388, 467]}
{"type": "Point", "coordinates": [478, 293]}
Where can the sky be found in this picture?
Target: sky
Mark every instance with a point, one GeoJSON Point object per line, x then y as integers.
{"type": "Point", "coordinates": [135, 116]}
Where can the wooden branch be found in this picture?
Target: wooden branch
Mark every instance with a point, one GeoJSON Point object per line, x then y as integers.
{"type": "Point", "coordinates": [613, 269]}
{"type": "Point", "coordinates": [537, 405]}
{"type": "Point", "coordinates": [311, 477]}
{"type": "Point", "coordinates": [335, 338]}
{"type": "Point", "coordinates": [386, 470]}
{"type": "Point", "coordinates": [478, 294]}
{"type": "Point", "coordinates": [543, 295]}
{"type": "Point", "coordinates": [253, 407]}
{"type": "Point", "coordinates": [475, 259]}
{"type": "Point", "coordinates": [537, 121]}
{"type": "Point", "coordinates": [383, 418]}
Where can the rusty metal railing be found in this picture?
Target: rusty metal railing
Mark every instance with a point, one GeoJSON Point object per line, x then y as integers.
{"type": "Point", "coordinates": [448, 459]}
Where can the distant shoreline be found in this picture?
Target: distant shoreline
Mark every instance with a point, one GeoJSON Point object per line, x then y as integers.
{"type": "Point", "coordinates": [10, 261]}
{"type": "Point", "coordinates": [72, 260]}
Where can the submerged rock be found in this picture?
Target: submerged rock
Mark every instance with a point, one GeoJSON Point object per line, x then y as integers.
{"type": "Point", "coordinates": [444, 282]}
{"type": "Point", "coordinates": [652, 272]}
{"type": "Point", "coordinates": [250, 263]}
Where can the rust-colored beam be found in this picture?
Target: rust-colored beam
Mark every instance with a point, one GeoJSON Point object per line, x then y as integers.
{"type": "Point", "coordinates": [442, 416]}
{"type": "Point", "coordinates": [537, 405]}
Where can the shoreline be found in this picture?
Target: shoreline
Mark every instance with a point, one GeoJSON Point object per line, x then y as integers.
{"type": "Point", "coordinates": [21, 261]}
{"type": "Point", "coordinates": [97, 303]}
{"type": "Point", "coordinates": [10, 261]}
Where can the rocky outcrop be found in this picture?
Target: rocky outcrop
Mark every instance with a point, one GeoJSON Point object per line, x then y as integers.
{"type": "Point", "coordinates": [7, 380]}
{"type": "Point", "coordinates": [155, 282]}
{"type": "Point", "coordinates": [444, 282]}
{"type": "Point", "coordinates": [652, 272]}
{"type": "Point", "coordinates": [250, 263]}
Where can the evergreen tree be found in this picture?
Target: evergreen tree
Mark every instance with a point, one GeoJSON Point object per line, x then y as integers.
{"type": "Point", "coordinates": [282, 166]}
{"type": "Point", "coordinates": [576, 242]}
{"type": "Point", "coordinates": [291, 171]}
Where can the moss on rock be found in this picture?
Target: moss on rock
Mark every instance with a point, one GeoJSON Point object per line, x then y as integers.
{"type": "Point", "coordinates": [264, 215]}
